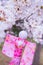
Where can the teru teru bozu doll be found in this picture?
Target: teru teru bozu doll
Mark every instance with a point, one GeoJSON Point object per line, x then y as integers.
{"type": "Point", "coordinates": [19, 49]}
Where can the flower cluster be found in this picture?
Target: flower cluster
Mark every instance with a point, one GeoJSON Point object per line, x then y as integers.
{"type": "Point", "coordinates": [29, 11]}
{"type": "Point", "coordinates": [6, 17]}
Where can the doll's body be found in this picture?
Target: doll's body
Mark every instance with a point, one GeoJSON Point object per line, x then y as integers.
{"type": "Point", "coordinates": [19, 49]}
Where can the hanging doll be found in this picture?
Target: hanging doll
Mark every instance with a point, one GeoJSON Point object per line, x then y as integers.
{"type": "Point", "coordinates": [19, 49]}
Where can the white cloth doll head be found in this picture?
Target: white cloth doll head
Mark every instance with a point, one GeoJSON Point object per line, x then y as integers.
{"type": "Point", "coordinates": [23, 34]}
